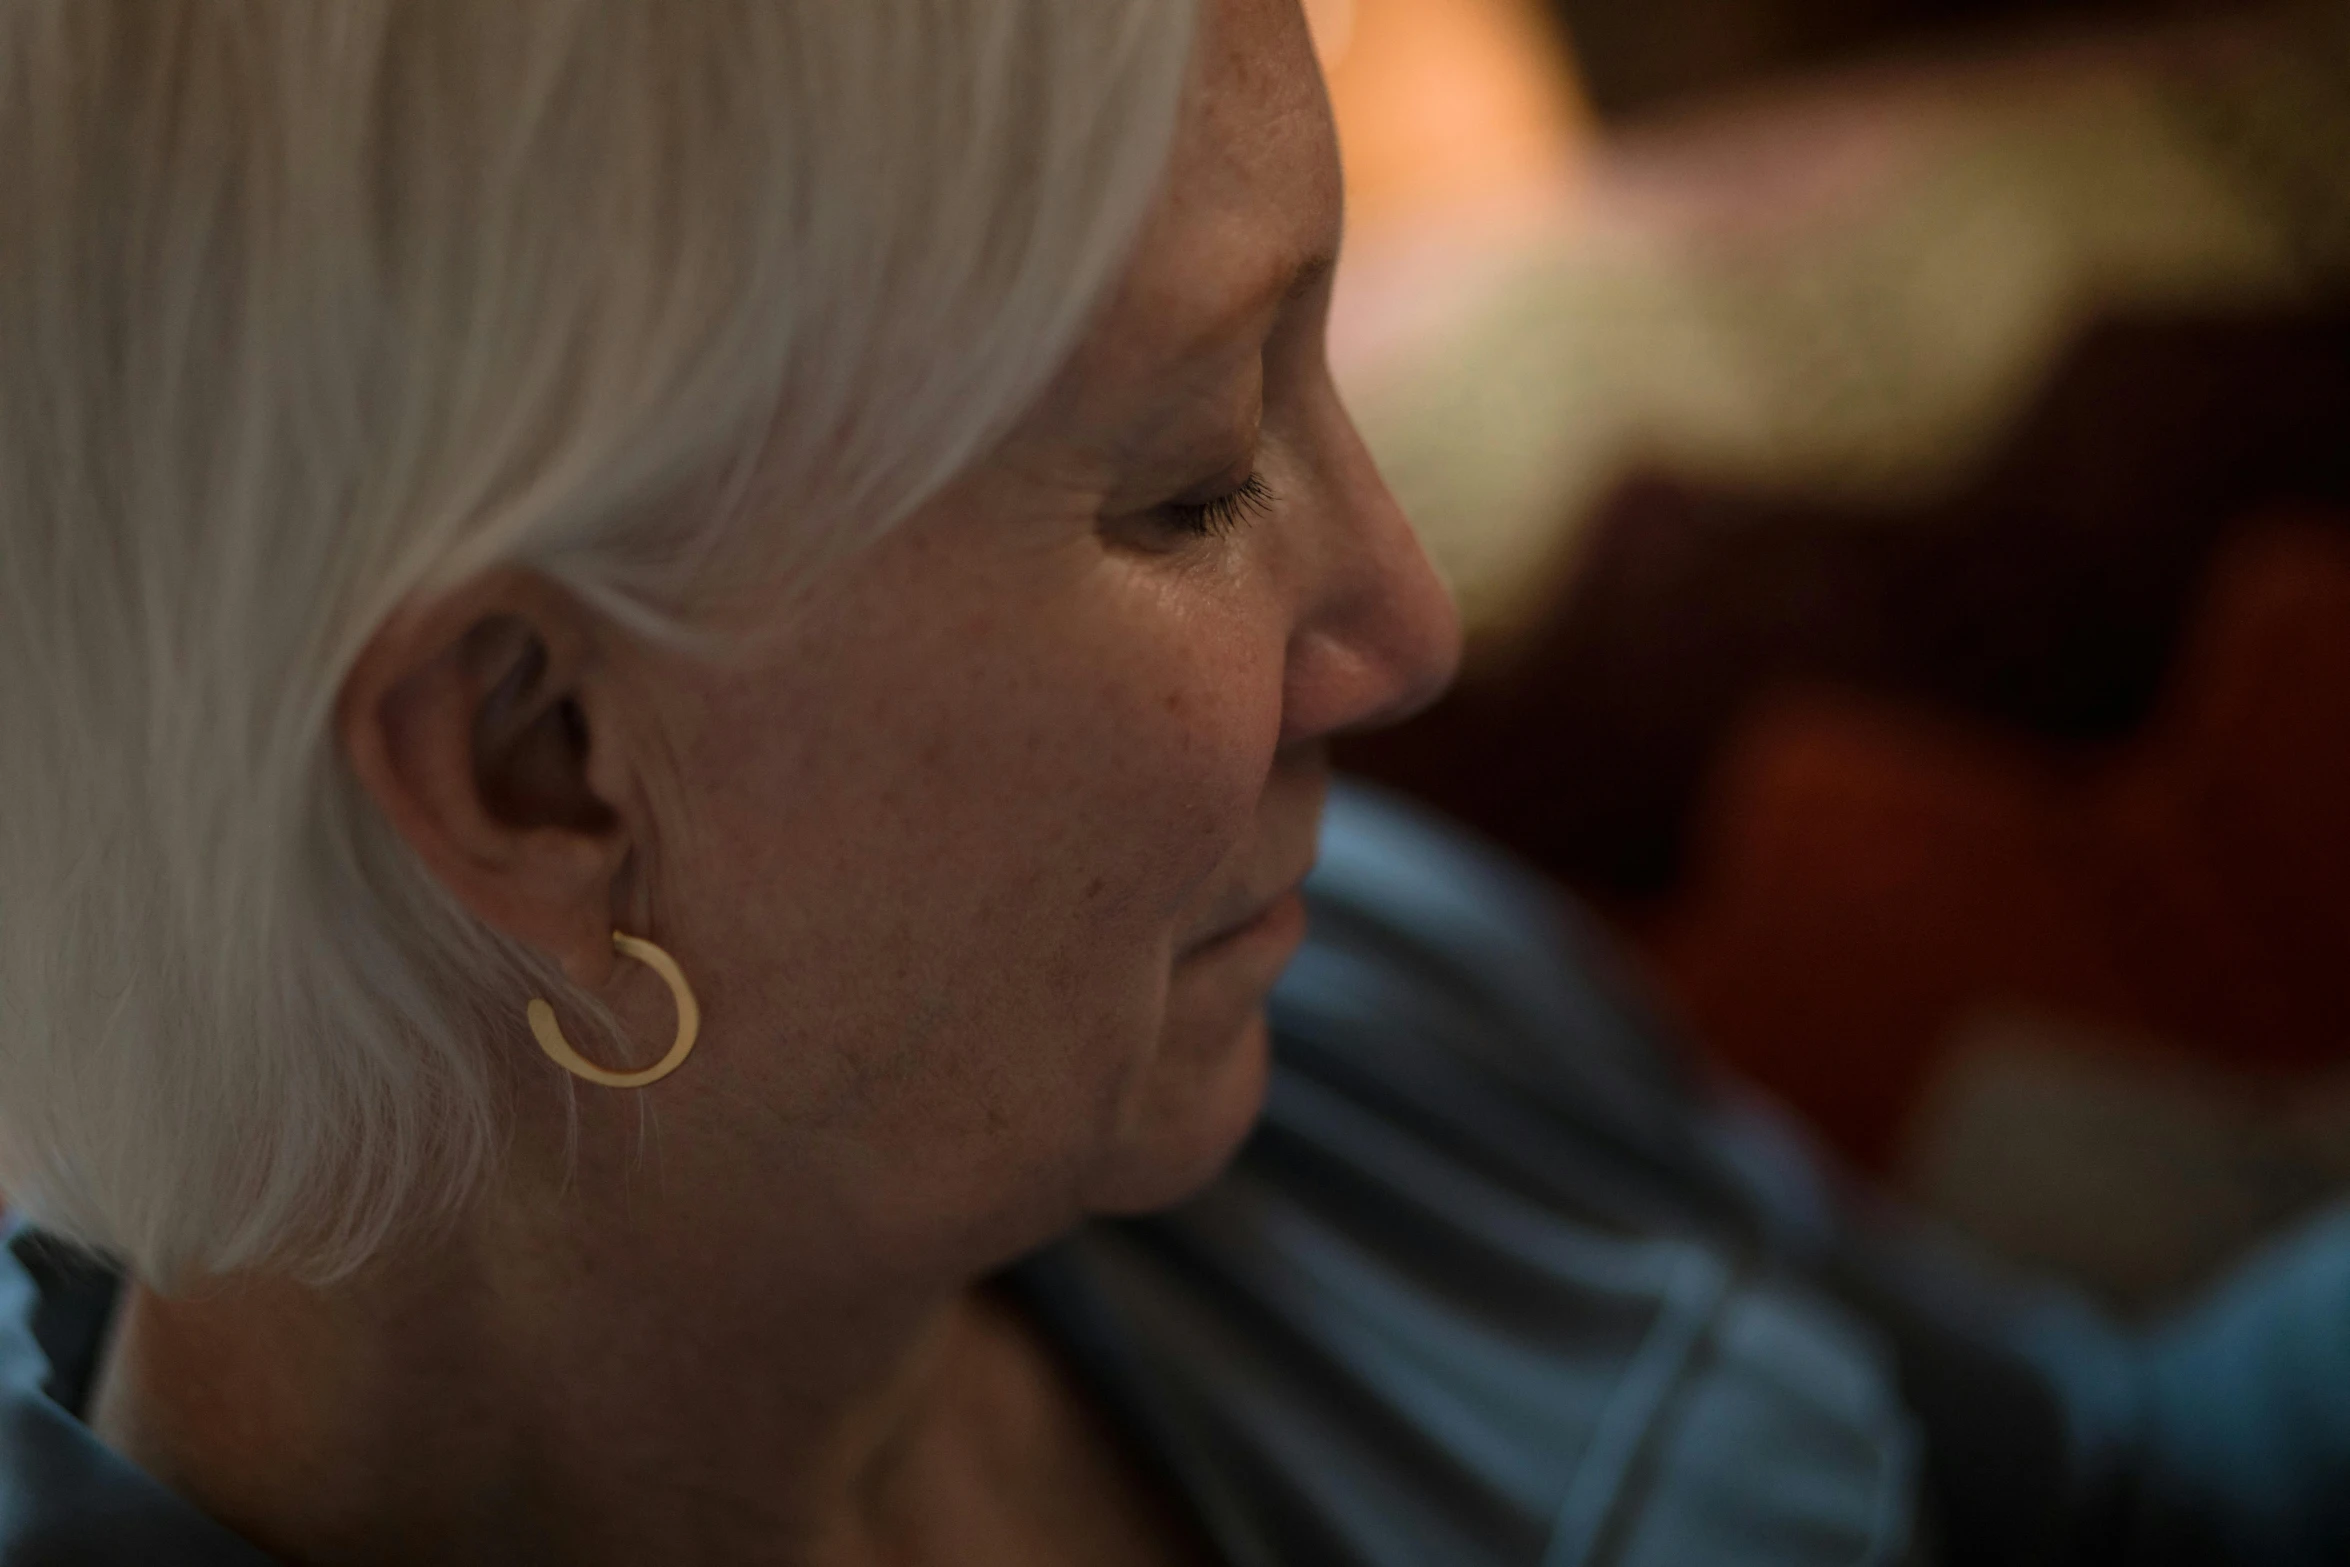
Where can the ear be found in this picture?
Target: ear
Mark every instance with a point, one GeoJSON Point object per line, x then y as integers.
{"type": "Point", "coordinates": [475, 723]}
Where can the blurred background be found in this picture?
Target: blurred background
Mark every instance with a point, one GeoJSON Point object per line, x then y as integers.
{"type": "Point", "coordinates": [1894, 458]}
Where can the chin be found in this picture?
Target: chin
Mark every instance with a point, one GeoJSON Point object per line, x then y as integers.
{"type": "Point", "coordinates": [1187, 1131]}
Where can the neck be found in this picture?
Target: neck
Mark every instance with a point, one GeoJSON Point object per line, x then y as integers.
{"type": "Point", "coordinates": [496, 1398]}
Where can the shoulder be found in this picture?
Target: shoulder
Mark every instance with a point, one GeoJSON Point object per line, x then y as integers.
{"type": "Point", "coordinates": [1438, 953]}
{"type": "Point", "coordinates": [1478, 1289]}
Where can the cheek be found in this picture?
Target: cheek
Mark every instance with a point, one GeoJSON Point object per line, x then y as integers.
{"type": "Point", "coordinates": [1135, 789]}
{"type": "Point", "coordinates": [1192, 732]}
{"type": "Point", "coordinates": [950, 876]}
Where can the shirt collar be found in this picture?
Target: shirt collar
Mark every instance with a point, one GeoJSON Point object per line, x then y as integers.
{"type": "Point", "coordinates": [64, 1495]}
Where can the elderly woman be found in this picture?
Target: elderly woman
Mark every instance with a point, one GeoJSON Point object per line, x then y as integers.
{"type": "Point", "coordinates": [663, 669]}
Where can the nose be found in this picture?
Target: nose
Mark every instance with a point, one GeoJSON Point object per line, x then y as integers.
{"type": "Point", "coordinates": [1377, 637]}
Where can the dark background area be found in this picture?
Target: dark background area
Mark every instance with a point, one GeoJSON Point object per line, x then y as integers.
{"type": "Point", "coordinates": [1641, 55]}
{"type": "Point", "coordinates": [2003, 831]}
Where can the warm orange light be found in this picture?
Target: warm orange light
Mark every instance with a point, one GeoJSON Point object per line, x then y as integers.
{"type": "Point", "coordinates": [1333, 22]}
{"type": "Point", "coordinates": [1446, 105]}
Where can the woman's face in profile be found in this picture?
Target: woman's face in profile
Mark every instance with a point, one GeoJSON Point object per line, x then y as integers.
{"type": "Point", "coordinates": [984, 864]}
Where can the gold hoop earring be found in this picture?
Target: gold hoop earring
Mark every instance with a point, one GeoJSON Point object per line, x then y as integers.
{"type": "Point", "coordinates": [689, 1023]}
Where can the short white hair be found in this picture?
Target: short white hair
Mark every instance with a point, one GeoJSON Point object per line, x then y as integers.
{"type": "Point", "coordinates": [308, 307]}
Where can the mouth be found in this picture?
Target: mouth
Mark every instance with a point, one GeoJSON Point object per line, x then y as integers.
{"type": "Point", "coordinates": [1280, 918]}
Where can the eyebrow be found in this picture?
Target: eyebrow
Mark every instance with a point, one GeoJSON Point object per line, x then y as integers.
{"type": "Point", "coordinates": [1297, 280]}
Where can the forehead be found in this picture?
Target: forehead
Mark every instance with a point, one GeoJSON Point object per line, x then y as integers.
{"type": "Point", "coordinates": [1251, 203]}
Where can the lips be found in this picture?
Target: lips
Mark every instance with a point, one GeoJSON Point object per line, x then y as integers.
{"type": "Point", "coordinates": [1256, 917]}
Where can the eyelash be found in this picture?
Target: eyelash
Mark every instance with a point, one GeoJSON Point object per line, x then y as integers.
{"type": "Point", "coordinates": [1215, 518]}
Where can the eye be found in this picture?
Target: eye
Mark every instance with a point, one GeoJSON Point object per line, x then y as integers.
{"type": "Point", "coordinates": [1220, 514]}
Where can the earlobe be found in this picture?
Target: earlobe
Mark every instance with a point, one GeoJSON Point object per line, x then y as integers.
{"type": "Point", "coordinates": [467, 721]}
